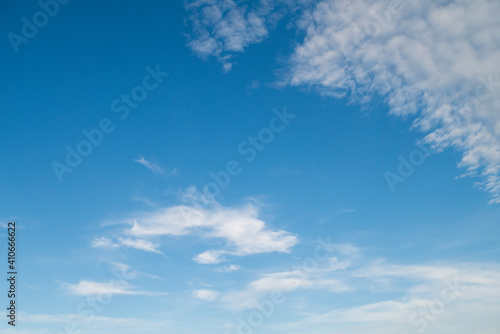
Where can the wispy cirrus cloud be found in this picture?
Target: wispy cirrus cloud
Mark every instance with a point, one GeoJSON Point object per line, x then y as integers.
{"type": "Point", "coordinates": [99, 324]}
{"type": "Point", "coordinates": [90, 288]}
{"type": "Point", "coordinates": [155, 167]}
{"type": "Point", "coordinates": [102, 242]}
{"type": "Point", "coordinates": [152, 166]}
{"type": "Point", "coordinates": [435, 61]}
{"type": "Point", "coordinates": [120, 285]}
{"type": "Point", "coordinates": [228, 269]}
{"type": "Point", "coordinates": [205, 294]}
{"type": "Point", "coordinates": [224, 28]}
{"type": "Point", "coordinates": [126, 272]}
{"type": "Point", "coordinates": [327, 274]}
{"type": "Point", "coordinates": [460, 298]}
{"type": "Point", "coordinates": [140, 244]}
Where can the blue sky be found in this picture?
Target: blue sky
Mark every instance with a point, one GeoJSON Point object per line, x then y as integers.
{"type": "Point", "coordinates": [136, 236]}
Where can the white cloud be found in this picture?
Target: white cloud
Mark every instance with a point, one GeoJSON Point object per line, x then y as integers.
{"type": "Point", "coordinates": [434, 61]}
{"type": "Point", "coordinates": [240, 227]}
{"type": "Point", "coordinates": [244, 232]}
{"type": "Point", "coordinates": [102, 242]}
{"type": "Point", "coordinates": [345, 249]}
{"type": "Point", "coordinates": [283, 282]}
{"type": "Point", "coordinates": [383, 297]}
{"type": "Point", "coordinates": [228, 269]}
{"type": "Point", "coordinates": [88, 288]}
{"type": "Point", "coordinates": [223, 28]}
{"type": "Point", "coordinates": [154, 167]}
{"type": "Point", "coordinates": [114, 287]}
{"type": "Point", "coordinates": [204, 294]}
{"type": "Point", "coordinates": [144, 201]}
{"type": "Point", "coordinates": [465, 302]}
{"type": "Point", "coordinates": [209, 257]}
{"type": "Point", "coordinates": [62, 318]}
{"type": "Point", "coordinates": [429, 59]}
{"type": "Point", "coordinates": [51, 323]}
{"type": "Point", "coordinates": [124, 271]}
{"type": "Point", "coordinates": [140, 244]}
{"type": "Point", "coordinates": [312, 273]}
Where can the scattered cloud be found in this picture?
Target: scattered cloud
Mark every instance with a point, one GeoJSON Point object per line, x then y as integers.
{"type": "Point", "coordinates": [124, 270]}
{"type": "Point", "coordinates": [345, 211]}
{"type": "Point", "coordinates": [120, 285]}
{"type": "Point", "coordinates": [140, 244]}
{"type": "Point", "coordinates": [458, 299]}
{"type": "Point", "coordinates": [115, 287]}
{"type": "Point", "coordinates": [204, 294]}
{"type": "Point", "coordinates": [240, 227]}
{"type": "Point", "coordinates": [287, 282]}
{"type": "Point", "coordinates": [385, 297]}
{"type": "Point", "coordinates": [98, 324]}
{"type": "Point", "coordinates": [228, 269]}
{"type": "Point", "coordinates": [102, 242]}
{"type": "Point", "coordinates": [155, 167]}
{"type": "Point", "coordinates": [144, 200]}
{"type": "Point", "coordinates": [210, 257]}
{"type": "Point", "coordinates": [64, 318]}
{"type": "Point", "coordinates": [224, 28]}
{"type": "Point", "coordinates": [434, 61]}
